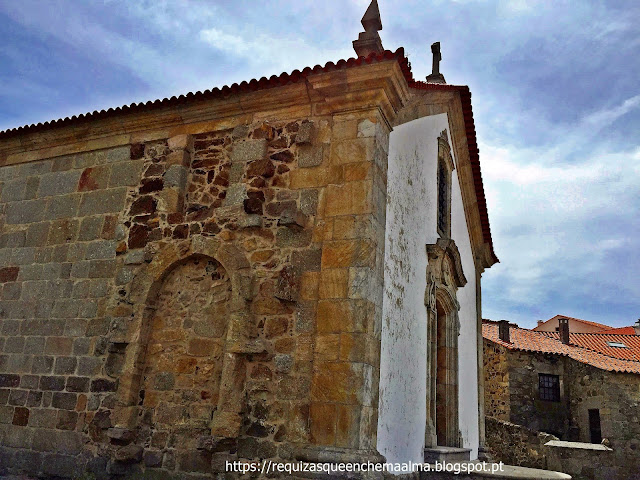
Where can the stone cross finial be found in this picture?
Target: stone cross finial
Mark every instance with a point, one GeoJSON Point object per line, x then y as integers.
{"type": "Point", "coordinates": [369, 41]}
{"type": "Point", "coordinates": [437, 56]}
{"type": "Point", "coordinates": [436, 76]}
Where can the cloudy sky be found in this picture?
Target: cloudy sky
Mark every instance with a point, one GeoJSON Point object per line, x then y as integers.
{"type": "Point", "coordinates": [556, 96]}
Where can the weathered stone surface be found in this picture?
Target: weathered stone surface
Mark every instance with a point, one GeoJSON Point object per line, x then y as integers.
{"type": "Point", "coordinates": [305, 133]}
{"type": "Point", "coordinates": [9, 274]}
{"type": "Point", "coordinates": [288, 285]}
{"type": "Point", "coordinates": [310, 156]}
{"type": "Point", "coordinates": [137, 151]}
{"type": "Point", "coordinates": [248, 150]}
{"type": "Point", "coordinates": [129, 454]}
{"type": "Point", "coordinates": [216, 444]}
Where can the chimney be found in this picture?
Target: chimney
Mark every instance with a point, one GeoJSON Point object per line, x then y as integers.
{"type": "Point", "coordinates": [563, 326]}
{"type": "Point", "coordinates": [540, 322]}
{"type": "Point", "coordinates": [503, 331]}
{"type": "Point", "coordinates": [636, 327]}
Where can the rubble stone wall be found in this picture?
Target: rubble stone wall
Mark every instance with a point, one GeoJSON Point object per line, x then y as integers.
{"type": "Point", "coordinates": [496, 381]}
{"type": "Point", "coordinates": [516, 445]}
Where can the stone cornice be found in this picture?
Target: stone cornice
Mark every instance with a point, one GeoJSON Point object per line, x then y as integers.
{"type": "Point", "coordinates": [377, 85]}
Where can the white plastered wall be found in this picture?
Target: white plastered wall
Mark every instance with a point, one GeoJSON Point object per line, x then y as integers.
{"type": "Point", "coordinates": [410, 225]}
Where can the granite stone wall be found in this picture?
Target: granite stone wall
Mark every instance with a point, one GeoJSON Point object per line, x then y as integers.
{"type": "Point", "coordinates": [171, 304]}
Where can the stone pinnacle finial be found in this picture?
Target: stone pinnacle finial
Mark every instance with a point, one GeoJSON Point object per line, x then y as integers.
{"type": "Point", "coordinates": [369, 40]}
{"type": "Point", "coordinates": [371, 20]}
{"type": "Point", "coordinates": [436, 76]}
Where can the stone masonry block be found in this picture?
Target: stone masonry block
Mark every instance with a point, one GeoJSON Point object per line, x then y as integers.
{"type": "Point", "coordinates": [310, 156]}
{"type": "Point", "coordinates": [181, 142]}
{"type": "Point", "coordinates": [59, 183]}
{"type": "Point", "coordinates": [6, 414]}
{"type": "Point", "coordinates": [53, 383]}
{"type": "Point", "coordinates": [249, 150]}
{"type": "Point", "coordinates": [351, 151]}
{"type": "Point", "coordinates": [103, 201]}
{"type": "Point", "coordinates": [9, 274]}
{"type": "Point", "coordinates": [94, 178]}
{"type": "Point", "coordinates": [18, 436]}
{"type": "Point", "coordinates": [309, 201]}
{"type": "Point", "coordinates": [63, 206]}
{"type": "Point", "coordinates": [176, 176]}
{"type": "Point", "coordinates": [180, 158]}
{"type": "Point", "coordinates": [236, 195]}
{"type": "Point", "coordinates": [30, 211]}
{"type": "Point", "coordinates": [65, 365]}
{"type": "Point", "coordinates": [90, 228]}
{"type": "Point", "coordinates": [61, 441]}
{"type": "Point", "coordinates": [117, 154]}
{"type": "Point", "coordinates": [42, 364]}
{"type": "Point", "coordinates": [240, 131]}
{"type": "Point", "coordinates": [9, 380]}
{"type": "Point", "coordinates": [62, 466]}
{"type": "Point", "coordinates": [322, 420]}
{"type": "Point", "coordinates": [14, 191]}
{"type": "Point", "coordinates": [125, 174]}
{"type": "Point", "coordinates": [101, 250]}
{"type": "Point", "coordinates": [334, 283]}
{"type": "Point", "coordinates": [64, 400]}
{"type": "Point", "coordinates": [305, 133]}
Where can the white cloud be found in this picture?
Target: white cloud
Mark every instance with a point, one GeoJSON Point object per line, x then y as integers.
{"type": "Point", "coordinates": [605, 117]}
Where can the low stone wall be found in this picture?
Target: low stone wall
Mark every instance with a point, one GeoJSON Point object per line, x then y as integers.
{"type": "Point", "coordinates": [517, 445]}
{"type": "Point", "coordinates": [585, 461]}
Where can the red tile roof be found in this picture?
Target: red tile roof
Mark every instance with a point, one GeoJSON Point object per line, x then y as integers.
{"type": "Point", "coordinates": [588, 348]}
{"type": "Point", "coordinates": [620, 331]}
{"type": "Point", "coordinates": [598, 342]}
{"type": "Point", "coordinates": [294, 77]}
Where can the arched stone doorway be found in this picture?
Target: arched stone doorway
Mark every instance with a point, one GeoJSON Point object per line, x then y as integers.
{"type": "Point", "coordinates": [182, 370]}
{"type": "Point", "coordinates": [444, 277]}
{"type": "Point", "coordinates": [220, 334]}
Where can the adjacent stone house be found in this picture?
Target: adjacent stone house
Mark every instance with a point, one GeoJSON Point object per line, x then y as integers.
{"type": "Point", "coordinates": [580, 387]}
{"type": "Point", "coordinates": [286, 268]}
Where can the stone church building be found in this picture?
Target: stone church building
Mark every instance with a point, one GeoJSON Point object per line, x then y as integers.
{"type": "Point", "coordinates": [287, 268]}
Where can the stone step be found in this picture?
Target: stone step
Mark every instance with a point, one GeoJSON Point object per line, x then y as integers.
{"type": "Point", "coordinates": [447, 454]}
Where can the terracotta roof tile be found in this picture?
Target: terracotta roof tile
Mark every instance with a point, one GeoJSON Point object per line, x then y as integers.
{"type": "Point", "coordinates": [583, 347]}
{"type": "Point", "coordinates": [599, 342]}
{"type": "Point", "coordinates": [294, 77]}
{"type": "Point", "coordinates": [620, 331]}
